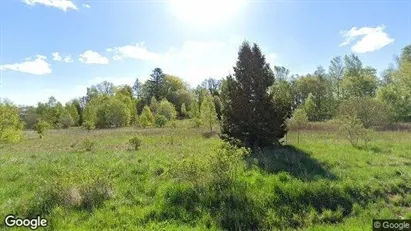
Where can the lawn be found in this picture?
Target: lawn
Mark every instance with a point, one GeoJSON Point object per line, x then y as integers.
{"type": "Point", "coordinates": [180, 179]}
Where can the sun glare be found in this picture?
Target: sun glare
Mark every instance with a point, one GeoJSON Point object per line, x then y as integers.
{"type": "Point", "coordinates": [205, 12]}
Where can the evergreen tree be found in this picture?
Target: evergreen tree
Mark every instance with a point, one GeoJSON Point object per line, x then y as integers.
{"type": "Point", "coordinates": [250, 113]}
{"type": "Point", "coordinates": [156, 84]}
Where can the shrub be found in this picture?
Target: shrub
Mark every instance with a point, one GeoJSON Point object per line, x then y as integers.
{"type": "Point", "coordinates": [88, 125]}
{"type": "Point", "coordinates": [160, 120]}
{"type": "Point", "coordinates": [353, 129]}
{"type": "Point", "coordinates": [167, 109]}
{"type": "Point", "coordinates": [208, 113]}
{"type": "Point", "coordinates": [197, 122]}
{"type": "Point", "coordinates": [66, 120]}
{"type": "Point", "coordinates": [112, 113]}
{"type": "Point", "coordinates": [371, 112]}
{"type": "Point", "coordinates": [10, 124]}
{"type": "Point", "coordinates": [135, 142]}
{"type": "Point", "coordinates": [41, 128]}
{"type": "Point", "coordinates": [146, 118]}
{"type": "Point", "coordinates": [88, 144]}
{"type": "Point", "coordinates": [298, 120]}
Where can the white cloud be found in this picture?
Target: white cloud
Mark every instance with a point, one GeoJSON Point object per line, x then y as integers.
{"type": "Point", "coordinates": [137, 51]}
{"type": "Point", "coordinates": [85, 5]}
{"type": "Point", "coordinates": [63, 5]}
{"type": "Point", "coordinates": [92, 57]}
{"type": "Point", "coordinates": [37, 66]}
{"type": "Point", "coordinates": [57, 57]}
{"type": "Point", "coordinates": [193, 61]}
{"type": "Point", "coordinates": [368, 38]}
{"type": "Point", "coordinates": [68, 59]}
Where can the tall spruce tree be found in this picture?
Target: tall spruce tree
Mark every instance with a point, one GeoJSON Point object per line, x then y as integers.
{"type": "Point", "coordinates": [250, 114]}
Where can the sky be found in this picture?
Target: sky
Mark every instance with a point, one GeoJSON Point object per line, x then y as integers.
{"type": "Point", "coordinates": [60, 47]}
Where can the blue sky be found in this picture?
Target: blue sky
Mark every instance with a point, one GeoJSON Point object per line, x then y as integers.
{"type": "Point", "coordinates": [60, 47]}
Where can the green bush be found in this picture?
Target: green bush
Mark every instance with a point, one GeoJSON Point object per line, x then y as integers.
{"type": "Point", "coordinates": [160, 120]}
{"type": "Point", "coordinates": [88, 125]}
{"type": "Point", "coordinates": [135, 142]}
{"type": "Point", "coordinates": [197, 122]}
{"type": "Point", "coordinates": [369, 111]}
{"type": "Point", "coordinates": [167, 109]}
{"type": "Point", "coordinates": [146, 118]}
{"type": "Point", "coordinates": [353, 130]}
{"type": "Point", "coordinates": [88, 144]}
{"type": "Point", "coordinates": [41, 128]}
{"type": "Point", "coordinates": [66, 120]}
{"type": "Point", "coordinates": [10, 124]}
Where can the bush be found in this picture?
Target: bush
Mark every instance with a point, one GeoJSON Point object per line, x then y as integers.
{"type": "Point", "coordinates": [112, 113]}
{"type": "Point", "coordinates": [353, 129]}
{"type": "Point", "coordinates": [369, 111]}
{"type": "Point", "coordinates": [160, 120]}
{"type": "Point", "coordinates": [66, 120]}
{"type": "Point", "coordinates": [10, 124]}
{"type": "Point", "coordinates": [88, 144]}
{"type": "Point", "coordinates": [298, 120]}
{"type": "Point", "coordinates": [146, 118]}
{"type": "Point", "coordinates": [167, 109]}
{"type": "Point", "coordinates": [88, 125]}
{"type": "Point", "coordinates": [197, 122]}
{"type": "Point", "coordinates": [135, 142]}
{"type": "Point", "coordinates": [41, 128]}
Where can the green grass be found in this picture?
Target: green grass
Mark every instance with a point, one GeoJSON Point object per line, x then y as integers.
{"type": "Point", "coordinates": [181, 179]}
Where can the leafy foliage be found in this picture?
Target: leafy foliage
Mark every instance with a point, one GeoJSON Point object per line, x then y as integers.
{"type": "Point", "coordinates": [167, 109]}
{"type": "Point", "coordinates": [146, 118]}
{"type": "Point", "coordinates": [208, 112]}
{"type": "Point", "coordinates": [160, 121]}
{"type": "Point", "coordinates": [10, 124]}
{"type": "Point", "coordinates": [41, 128]}
{"type": "Point", "coordinates": [66, 120]}
{"type": "Point", "coordinates": [370, 112]}
{"type": "Point", "coordinates": [135, 142]}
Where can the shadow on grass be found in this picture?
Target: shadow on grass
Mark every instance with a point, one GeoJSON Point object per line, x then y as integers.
{"type": "Point", "coordinates": [292, 160]}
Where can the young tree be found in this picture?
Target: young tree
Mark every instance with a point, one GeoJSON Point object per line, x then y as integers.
{"type": "Point", "coordinates": [72, 110]}
{"type": "Point", "coordinates": [112, 113]}
{"type": "Point", "coordinates": [250, 114]}
{"type": "Point", "coordinates": [167, 109]}
{"type": "Point", "coordinates": [41, 128]}
{"type": "Point", "coordinates": [309, 107]}
{"type": "Point", "coordinates": [208, 113]}
{"type": "Point", "coordinates": [369, 111]}
{"type": "Point", "coordinates": [153, 105]}
{"type": "Point", "coordinates": [336, 71]}
{"type": "Point", "coordinates": [10, 124]}
{"type": "Point", "coordinates": [146, 118]}
{"type": "Point", "coordinates": [298, 120]}
{"type": "Point", "coordinates": [66, 120]}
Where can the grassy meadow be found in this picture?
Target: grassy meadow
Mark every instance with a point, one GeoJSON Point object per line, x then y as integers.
{"type": "Point", "coordinates": [182, 179]}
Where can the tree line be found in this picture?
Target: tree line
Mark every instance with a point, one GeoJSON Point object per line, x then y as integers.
{"type": "Point", "coordinates": [251, 105]}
